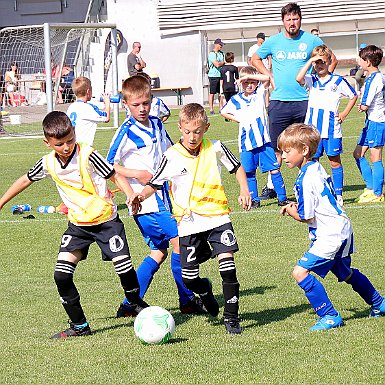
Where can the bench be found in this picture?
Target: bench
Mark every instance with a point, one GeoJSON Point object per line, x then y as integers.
{"type": "Point", "coordinates": [178, 91]}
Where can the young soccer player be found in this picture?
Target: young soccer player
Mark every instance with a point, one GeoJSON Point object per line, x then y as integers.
{"type": "Point", "coordinates": [159, 109]}
{"type": "Point", "coordinates": [201, 208]}
{"type": "Point", "coordinates": [248, 109]}
{"type": "Point", "coordinates": [373, 134]}
{"type": "Point", "coordinates": [81, 174]}
{"type": "Point", "coordinates": [85, 116]}
{"type": "Point", "coordinates": [330, 230]}
{"type": "Point", "coordinates": [325, 92]}
{"type": "Point", "coordinates": [229, 74]}
{"type": "Point", "coordinates": [136, 151]}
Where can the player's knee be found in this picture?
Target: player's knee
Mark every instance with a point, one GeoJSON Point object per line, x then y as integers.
{"type": "Point", "coordinates": [63, 274]}
{"type": "Point", "coordinates": [299, 273]}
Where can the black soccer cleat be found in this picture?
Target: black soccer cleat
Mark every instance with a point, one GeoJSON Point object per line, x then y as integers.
{"type": "Point", "coordinates": [73, 331]}
{"type": "Point", "coordinates": [130, 310]}
{"type": "Point", "coordinates": [255, 204]}
{"type": "Point", "coordinates": [194, 306]}
{"type": "Point", "coordinates": [232, 326]}
{"type": "Point", "coordinates": [285, 202]}
{"type": "Point", "coordinates": [209, 300]}
{"type": "Point", "coordinates": [267, 193]}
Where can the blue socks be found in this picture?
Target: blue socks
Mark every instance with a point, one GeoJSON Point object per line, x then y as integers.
{"type": "Point", "coordinates": [338, 179]}
{"type": "Point", "coordinates": [279, 185]}
{"type": "Point", "coordinates": [366, 172]}
{"type": "Point", "coordinates": [317, 296]}
{"type": "Point", "coordinates": [378, 177]}
{"type": "Point", "coordinates": [361, 285]}
{"type": "Point", "coordinates": [252, 185]}
{"type": "Point", "coordinates": [145, 273]}
{"type": "Point", "coordinates": [185, 295]}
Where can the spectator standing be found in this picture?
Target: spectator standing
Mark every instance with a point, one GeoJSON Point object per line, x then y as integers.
{"type": "Point", "coordinates": [135, 63]}
{"type": "Point", "coordinates": [290, 49]}
{"type": "Point", "coordinates": [260, 40]}
{"type": "Point", "coordinates": [229, 74]}
{"type": "Point", "coordinates": [11, 78]}
{"type": "Point", "coordinates": [216, 60]}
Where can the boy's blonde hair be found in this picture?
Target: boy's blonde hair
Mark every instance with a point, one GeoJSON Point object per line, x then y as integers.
{"type": "Point", "coordinates": [299, 135]}
{"type": "Point", "coordinates": [136, 86]}
{"type": "Point", "coordinates": [193, 112]}
{"type": "Point", "coordinates": [57, 125]}
{"type": "Point", "coordinates": [322, 50]}
{"type": "Point", "coordinates": [248, 70]}
{"type": "Point", "coordinates": [80, 85]}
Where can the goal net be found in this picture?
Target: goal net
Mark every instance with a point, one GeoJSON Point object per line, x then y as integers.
{"type": "Point", "coordinates": [38, 61]}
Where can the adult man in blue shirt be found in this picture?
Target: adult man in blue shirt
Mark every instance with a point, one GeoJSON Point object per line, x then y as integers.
{"type": "Point", "coordinates": [290, 49]}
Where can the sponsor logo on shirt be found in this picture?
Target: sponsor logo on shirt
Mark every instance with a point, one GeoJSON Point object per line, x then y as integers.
{"type": "Point", "coordinates": [281, 55]}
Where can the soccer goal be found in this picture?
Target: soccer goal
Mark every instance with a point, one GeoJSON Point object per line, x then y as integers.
{"type": "Point", "coordinates": [38, 64]}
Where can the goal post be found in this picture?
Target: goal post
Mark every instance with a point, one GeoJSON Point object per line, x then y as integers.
{"type": "Point", "coordinates": [48, 57]}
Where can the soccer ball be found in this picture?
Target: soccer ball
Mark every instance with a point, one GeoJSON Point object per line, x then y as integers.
{"type": "Point", "coordinates": [154, 325]}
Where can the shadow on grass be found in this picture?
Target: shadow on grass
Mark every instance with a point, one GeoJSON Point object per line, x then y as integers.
{"type": "Point", "coordinates": [357, 314]}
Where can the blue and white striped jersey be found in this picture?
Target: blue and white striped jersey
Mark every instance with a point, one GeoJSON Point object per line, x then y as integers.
{"type": "Point", "coordinates": [324, 100]}
{"type": "Point", "coordinates": [158, 108]}
{"type": "Point", "coordinates": [317, 200]}
{"type": "Point", "coordinates": [250, 111]}
{"type": "Point", "coordinates": [373, 96]}
{"type": "Point", "coordinates": [135, 146]}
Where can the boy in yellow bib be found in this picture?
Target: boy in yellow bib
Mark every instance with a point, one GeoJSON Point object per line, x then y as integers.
{"type": "Point", "coordinates": [201, 209]}
{"type": "Point", "coordinates": [81, 174]}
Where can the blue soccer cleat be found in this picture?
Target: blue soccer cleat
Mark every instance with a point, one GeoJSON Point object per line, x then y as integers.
{"type": "Point", "coordinates": [328, 322]}
{"type": "Point", "coordinates": [378, 311]}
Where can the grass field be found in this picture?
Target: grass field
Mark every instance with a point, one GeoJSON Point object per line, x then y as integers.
{"type": "Point", "coordinates": [275, 347]}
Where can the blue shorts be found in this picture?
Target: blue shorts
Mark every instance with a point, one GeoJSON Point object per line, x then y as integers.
{"type": "Point", "coordinates": [282, 114]}
{"type": "Point", "coordinates": [157, 228]}
{"type": "Point", "coordinates": [331, 146]}
{"type": "Point", "coordinates": [262, 157]}
{"type": "Point", "coordinates": [373, 134]}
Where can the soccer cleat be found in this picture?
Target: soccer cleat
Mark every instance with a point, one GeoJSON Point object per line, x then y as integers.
{"type": "Point", "coordinates": [365, 193]}
{"type": "Point", "coordinates": [267, 193]}
{"type": "Point", "coordinates": [378, 311]}
{"type": "Point", "coordinates": [126, 311]}
{"type": "Point", "coordinates": [212, 112]}
{"type": "Point", "coordinates": [284, 203]}
{"type": "Point", "coordinates": [232, 326]}
{"type": "Point", "coordinates": [365, 196]}
{"type": "Point", "coordinates": [255, 204]}
{"type": "Point", "coordinates": [209, 300]}
{"type": "Point", "coordinates": [378, 198]}
{"type": "Point", "coordinates": [73, 331]}
{"type": "Point", "coordinates": [371, 198]}
{"type": "Point", "coordinates": [328, 322]}
{"type": "Point", "coordinates": [194, 306]}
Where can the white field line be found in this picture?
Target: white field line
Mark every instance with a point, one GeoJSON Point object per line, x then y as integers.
{"type": "Point", "coordinates": [243, 212]}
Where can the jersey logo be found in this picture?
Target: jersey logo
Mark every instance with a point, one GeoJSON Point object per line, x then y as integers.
{"type": "Point", "coordinates": [184, 171]}
{"type": "Point", "coordinates": [228, 238]}
{"type": "Point", "coordinates": [280, 55]}
{"type": "Point", "coordinates": [232, 300]}
{"type": "Point", "coordinates": [302, 47]}
{"type": "Point", "coordinates": [116, 244]}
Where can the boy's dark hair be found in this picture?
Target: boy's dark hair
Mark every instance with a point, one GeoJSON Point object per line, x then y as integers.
{"type": "Point", "coordinates": [80, 85]}
{"type": "Point", "coordinates": [291, 8]}
{"type": "Point", "coordinates": [372, 53]}
{"type": "Point", "coordinates": [136, 86]}
{"type": "Point", "coordinates": [229, 57]}
{"type": "Point", "coordinates": [57, 124]}
{"type": "Point", "coordinates": [297, 136]}
{"type": "Point", "coordinates": [193, 112]}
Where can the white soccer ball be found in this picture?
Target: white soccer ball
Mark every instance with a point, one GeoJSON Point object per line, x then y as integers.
{"type": "Point", "coordinates": [154, 325]}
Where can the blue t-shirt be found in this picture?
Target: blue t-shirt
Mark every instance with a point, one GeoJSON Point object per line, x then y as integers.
{"type": "Point", "coordinates": [288, 57]}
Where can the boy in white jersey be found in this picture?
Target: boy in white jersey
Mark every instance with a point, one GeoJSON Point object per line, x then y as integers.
{"type": "Point", "coordinates": [81, 174]}
{"type": "Point", "coordinates": [373, 134]}
{"type": "Point", "coordinates": [325, 92]}
{"type": "Point", "coordinates": [201, 208]}
{"type": "Point", "coordinates": [330, 230]}
{"type": "Point", "coordinates": [249, 110]}
{"type": "Point", "coordinates": [85, 116]}
{"type": "Point", "coordinates": [136, 151]}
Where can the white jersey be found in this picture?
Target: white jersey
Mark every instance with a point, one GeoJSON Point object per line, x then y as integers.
{"type": "Point", "coordinates": [373, 96]}
{"type": "Point", "coordinates": [324, 100]}
{"type": "Point", "coordinates": [252, 50]}
{"type": "Point", "coordinates": [85, 117]}
{"type": "Point", "coordinates": [250, 111]}
{"type": "Point", "coordinates": [316, 199]}
{"type": "Point", "coordinates": [137, 147]}
{"type": "Point", "coordinates": [158, 108]}
{"type": "Point", "coordinates": [172, 169]}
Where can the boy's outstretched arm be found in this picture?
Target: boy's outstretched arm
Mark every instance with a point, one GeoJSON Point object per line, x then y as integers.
{"type": "Point", "coordinates": [292, 210]}
{"type": "Point", "coordinates": [123, 184]}
{"type": "Point", "coordinates": [244, 198]}
{"type": "Point", "coordinates": [16, 188]}
{"type": "Point", "coordinates": [142, 176]}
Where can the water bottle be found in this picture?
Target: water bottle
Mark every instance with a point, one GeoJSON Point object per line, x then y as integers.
{"type": "Point", "coordinates": [23, 207]}
{"type": "Point", "coordinates": [46, 209]}
{"type": "Point", "coordinates": [113, 98]}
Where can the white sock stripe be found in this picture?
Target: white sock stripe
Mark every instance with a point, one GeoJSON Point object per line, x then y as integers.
{"type": "Point", "coordinates": [123, 266]}
{"type": "Point", "coordinates": [64, 268]}
{"type": "Point", "coordinates": [228, 265]}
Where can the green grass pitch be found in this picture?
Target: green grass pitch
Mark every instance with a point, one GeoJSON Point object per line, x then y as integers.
{"type": "Point", "coordinates": [275, 347]}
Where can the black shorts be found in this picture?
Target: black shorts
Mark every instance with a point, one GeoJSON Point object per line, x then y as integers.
{"type": "Point", "coordinates": [215, 85]}
{"type": "Point", "coordinates": [229, 94]}
{"type": "Point", "coordinates": [109, 236]}
{"type": "Point", "coordinates": [198, 248]}
{"type": "Point", "coordinates": [282, 114]}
